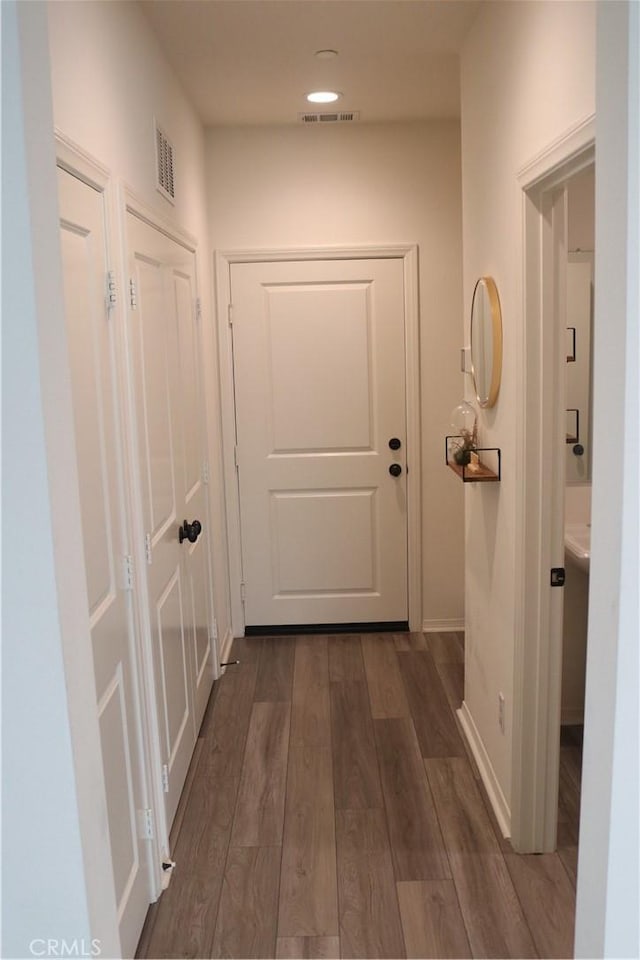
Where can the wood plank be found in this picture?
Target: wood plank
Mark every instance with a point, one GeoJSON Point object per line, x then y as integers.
{"type": "Point", "coordinates": [310, 713]}
{"type": "Point", "coordinates": [355, 763]}
{"type": "Point", "coordinates": [446, 647]}
{"type": "Point", "coordinates": [406, 642]}
{"type": "Point", "coordinates": [569, 858]}
{"type": "Point", "coordinates": [259, 816]}
{"type": "Point", "coordinates": [386, 689]}
{"type": "Point", "coordinates": [569, 794]}
{"type": "Point", "coordinates": [368, 905]}
{"type": "Point", "coordinates": [492, 913]}
{"type": "Point", "coordinates": [435, 726]}
{"type": "Point", "coordinates": [224, 738]}
{"type": "Point", "coordinates": [186, 914]}
{"type": "Point", "coordinates": [431, 920]}
{"type": "Point", "coordinates": [246, 649]}
{"type": "Point", "coordinates": [308, 889]}
{"type": "Point", "coordinates": [548, 900]}
{"type": "Point", "coordinates": [184, 796]}
{"type": "Point", "coordinates": [246, 925]}
{"type": "Point", "coordinates": [417, 847]}
{"type": "Point", "coordinates": [308, 948]}
{"type": "Point", "coordinates": [452, 680]}
{"type": "Point", "coordinates": [345, 658]}
{"type": "Point", "coordinates": [275, 669]}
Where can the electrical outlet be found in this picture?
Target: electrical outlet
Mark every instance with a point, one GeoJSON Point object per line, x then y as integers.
{"type": "Point", "coordinates": [501, 711]}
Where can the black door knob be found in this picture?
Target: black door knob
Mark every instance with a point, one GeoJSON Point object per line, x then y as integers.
{"type": "Point", "coordinates": [395, 469]}
{"type": "Point", "coordinates": [394, 443]}
{"type": "Point", "coordinates": [189, 531]}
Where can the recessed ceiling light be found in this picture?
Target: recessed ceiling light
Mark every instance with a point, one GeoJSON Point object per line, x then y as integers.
{"type": "Point", "coordinates": [323, 96]}
{"type": "Point", "coordinates": [326, 54]}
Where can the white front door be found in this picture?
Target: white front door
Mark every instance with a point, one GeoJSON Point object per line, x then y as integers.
{"type": "Point", "coordinates": [319, 371]}
{"type": "Point", "coordinates": [91, 343]}
{"type": "Point", "coordinates": [164, 342]}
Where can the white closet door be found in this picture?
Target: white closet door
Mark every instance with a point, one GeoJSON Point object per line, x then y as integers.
{"type": "Point", "coordinates": [91, 344]}
{"type": "Point", "coordinates": [319, 370]}
{"type": "Point", "coordinates": [164, 338]}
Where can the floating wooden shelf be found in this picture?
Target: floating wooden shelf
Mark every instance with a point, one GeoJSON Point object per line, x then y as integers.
{"type": "Point", "coordinates": [481, 473]}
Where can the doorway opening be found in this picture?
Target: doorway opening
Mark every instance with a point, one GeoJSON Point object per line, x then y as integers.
{"type": "Point", "coordinates": [286, 508]}
{"type": "Point", "coordinates": [544, 429]}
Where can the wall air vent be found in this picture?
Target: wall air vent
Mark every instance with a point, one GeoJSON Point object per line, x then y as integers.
{"type": "Point", "coordinates": [343, 116]}
{"type": "Point", "coordinates": [165, 170]}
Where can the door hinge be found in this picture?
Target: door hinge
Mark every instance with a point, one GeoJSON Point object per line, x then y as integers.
{"type": "Point", "coordinates": [165, 778]}
{"type": "Point", "coordinates": [205, 471]}
{"type": "Point", "coordinates": [127, 572]}
{"type": "Point", "coordinates": [557, 576]}
{"type": "Point", "coordinates": [198, 309]}
{"type": "Point", "coordinates": [145, 824]}
{"type": "Point", "coordinates": [230, 314]}
{"type": "Point", "coordinates": [147, 548]}
{"type": "Point", "coordinates": [243, 591]}
{"type": "Point", "coordinates": [214, 630]}
{"type": "Point", "coordinates": [235, 456]}
{"type": "Point", "coordinates": [133, 294]}
{"type": "Point", "coordinates": [111, 291]}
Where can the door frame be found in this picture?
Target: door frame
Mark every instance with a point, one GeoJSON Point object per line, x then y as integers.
{"type": "Point", "coordinates": [129, 202]}
{"type": "Point", "coordinates": [224, 260]}
{"type": "Point", "coordinates": [540, 495]}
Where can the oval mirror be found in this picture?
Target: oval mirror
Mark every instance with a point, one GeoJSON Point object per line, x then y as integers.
{"type": "Point", "coordinates": [486, 341]}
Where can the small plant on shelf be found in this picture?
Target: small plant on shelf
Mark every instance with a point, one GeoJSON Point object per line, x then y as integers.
{"type": "Point", "coordinates": [465, 441]}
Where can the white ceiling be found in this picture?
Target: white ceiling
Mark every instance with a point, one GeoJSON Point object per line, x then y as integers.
{"type": "Point", "coordinates": [252, 61]}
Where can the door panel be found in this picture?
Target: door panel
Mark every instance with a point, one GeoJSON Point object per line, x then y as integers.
{"type": "Point", "coordinates": [320, 390]}
{"type": "Point", "coordinates": [165, 349]}
{"type": "Point", "coordinates": [153, 392]}
{"type": "Point", "coordinates": [91, 344]}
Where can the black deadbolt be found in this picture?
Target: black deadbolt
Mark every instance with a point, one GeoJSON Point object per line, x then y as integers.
{"type": "Point", "coordinates": [395, 469]}
{"type": "Point", "coordinates": [394, 443]}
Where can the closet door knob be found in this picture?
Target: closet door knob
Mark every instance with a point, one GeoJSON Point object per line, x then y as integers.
{"type": "Point", "coordinates": [394, 443]}
{"type": "Point", "coordinates": [395, 469]}
{"type": "Point", "coordinates": [189, 531]}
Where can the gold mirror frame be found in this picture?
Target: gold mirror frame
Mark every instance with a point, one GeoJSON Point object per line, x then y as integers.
{"type": "Point", "coordinates": [487, 285]}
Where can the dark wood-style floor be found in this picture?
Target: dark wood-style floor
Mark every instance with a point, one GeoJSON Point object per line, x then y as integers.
{"type": "Point", "coordinates": [332, 810]}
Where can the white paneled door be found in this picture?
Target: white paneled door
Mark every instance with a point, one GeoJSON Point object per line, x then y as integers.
{"type": "Point", "coordinates": [164, 342]}
{"type": "Point", "coordinates": [319, 370]}
{"type": "Point", "coordinates": [91, 343]}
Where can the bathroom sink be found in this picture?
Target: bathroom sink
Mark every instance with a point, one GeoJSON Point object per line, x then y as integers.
{"type": "Point", "coordinates": [577, 544]}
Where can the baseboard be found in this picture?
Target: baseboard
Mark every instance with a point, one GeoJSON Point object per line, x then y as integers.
{"type": "Point", "coordinates": [225, 649]}
{"type": "Point", "coordinates": [442, 626]}
{"type": "Point", "coordinates": [497, 798]}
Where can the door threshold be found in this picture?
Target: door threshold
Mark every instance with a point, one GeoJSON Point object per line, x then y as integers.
{"type": "Point", "coordinates": [287, 629]}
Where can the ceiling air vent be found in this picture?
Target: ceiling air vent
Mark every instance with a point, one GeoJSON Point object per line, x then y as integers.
{"type": "Point", "coordinates": [165, 165]}
{"type": "Point", "coordinates": [343, 116]}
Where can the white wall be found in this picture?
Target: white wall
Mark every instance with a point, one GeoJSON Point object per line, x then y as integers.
{"type": "Point", "coordinates": [110, 80]}
{"type": "Point", "coordinates": [358, 185]}
{"type": "Point", "coordinates": [528, 75]}
{"type": "Point", "coordinates": [607, 923]}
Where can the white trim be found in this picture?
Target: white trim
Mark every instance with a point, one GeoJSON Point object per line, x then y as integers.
{"type": "Point", "coordinates": [409, 254]}
{"type": "Point", "coordinates": [75, 160]}
{"type": "Point", "coordinates": [149, 215]}
{"type": "Point", "coordinates": [443, 626]}
{"type": "Point", "coordinates": [491, 783]}
{"type": "Point", "coordinates": [572, 144]}
{"type": "Point", "coordinates": [540, 493]}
